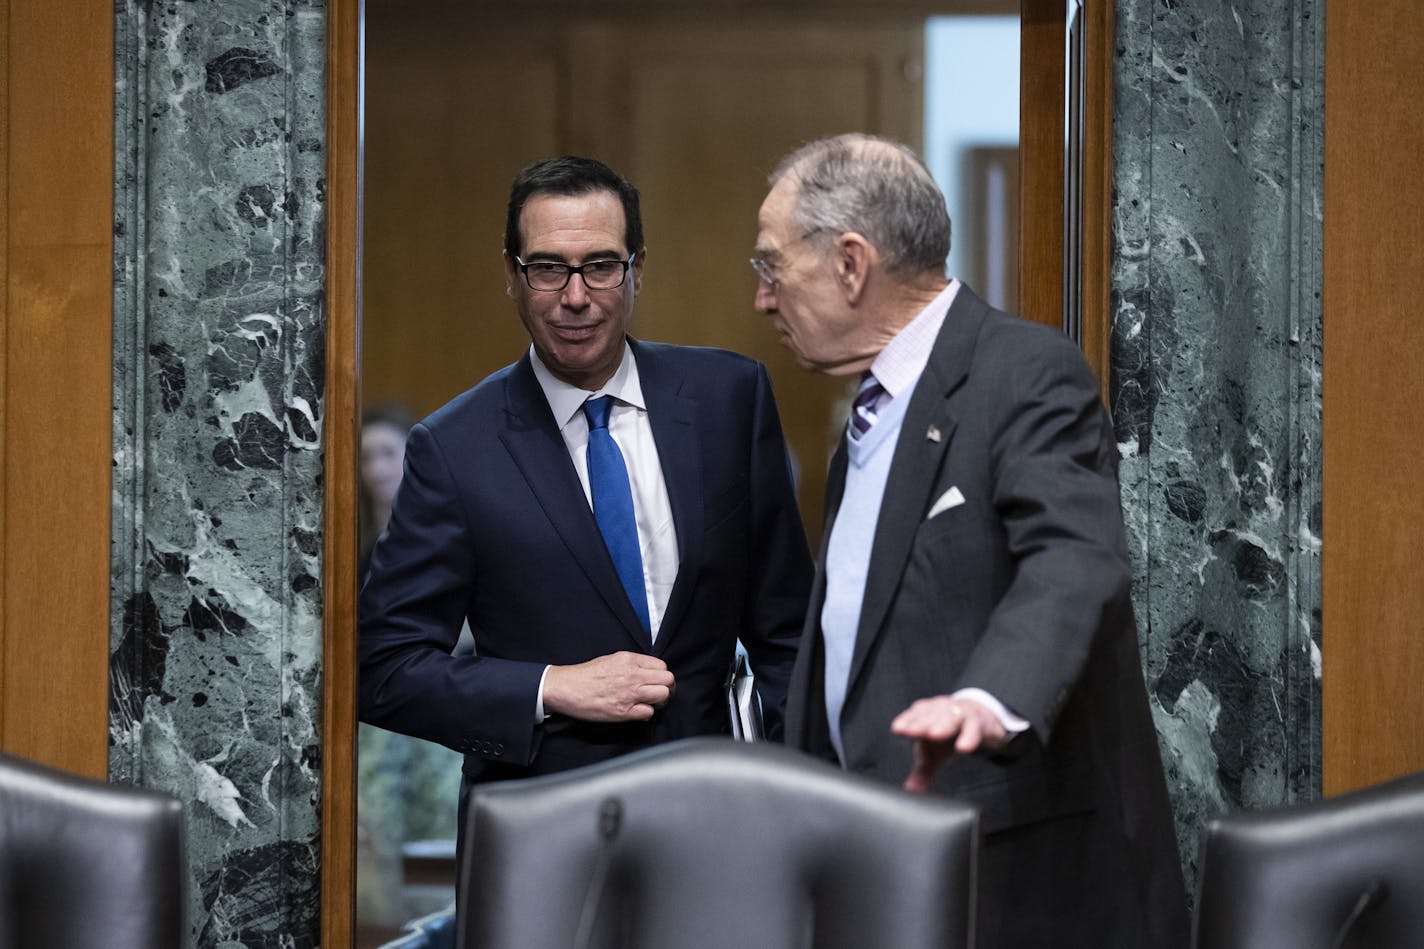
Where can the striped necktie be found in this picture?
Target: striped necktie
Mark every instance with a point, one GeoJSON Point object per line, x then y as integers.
{"type": "Point", "coordinates": [863, 410]}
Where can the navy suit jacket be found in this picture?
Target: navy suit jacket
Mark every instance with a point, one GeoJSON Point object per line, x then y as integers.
{"type": "Point", "coordinates": [491, 525]}
{"type": "Point", "coordinates": [1021, 590]}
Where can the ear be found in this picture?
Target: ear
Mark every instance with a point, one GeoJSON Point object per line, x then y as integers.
{"type": "Point", "coordinates": [511, 275]}
{"type": "Point", "coordinates": [637, 274]}
{"type": "Point", "coordinates": [854, 258]}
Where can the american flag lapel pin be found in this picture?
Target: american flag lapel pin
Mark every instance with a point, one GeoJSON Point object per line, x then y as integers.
{"type": "Point", "coordinates": [933, 434]}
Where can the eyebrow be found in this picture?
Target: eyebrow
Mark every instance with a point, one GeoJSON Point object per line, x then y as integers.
{"type": "Point", "coordinates": [560, 259]}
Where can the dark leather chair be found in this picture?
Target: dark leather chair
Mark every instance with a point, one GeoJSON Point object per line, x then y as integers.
{"type": "Point", "coordinates": [711, 844]}
{"type": "Point", "coordinates": [1343, 873]}
{"type": "Point", "coordinates": [87, 865]}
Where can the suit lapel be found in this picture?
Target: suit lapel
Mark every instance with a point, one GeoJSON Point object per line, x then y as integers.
{"type": "Point", "coordinates": [806, 725]}
{"type": "Point", "coordinates": [918, 457]}
{"type": "Point", "coordinates": [539, 450]}
{"type": "Point", "coordinates": [835, 490]}
{"type": "Point", "coordinates": [674, 418]}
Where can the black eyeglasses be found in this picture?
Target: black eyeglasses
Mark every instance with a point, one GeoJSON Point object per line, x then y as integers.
{"type": "Point", "coordinates": [551, 275]}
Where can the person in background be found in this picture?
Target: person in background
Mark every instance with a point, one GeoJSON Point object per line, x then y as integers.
{"type": "Point", "coordinates": [383, 433]}
{"type": "Point", "coordinates": [404, 789]}
{"type": "Point", "coordinates": [609, 515]}
{"type": "Point", "coordinates": [971, 632]}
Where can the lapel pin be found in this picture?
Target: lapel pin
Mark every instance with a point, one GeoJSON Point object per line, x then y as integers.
{"type": "Point", "coordinates": [933, 434]}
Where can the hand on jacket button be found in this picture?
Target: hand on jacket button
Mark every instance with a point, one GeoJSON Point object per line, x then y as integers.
{"type": "Point", "coordinates": [621, 687]}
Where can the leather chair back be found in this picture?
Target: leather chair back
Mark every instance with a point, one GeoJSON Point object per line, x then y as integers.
{"type": "Point", "coordinates": [1343, 873]}
{"type": "Point", "coordinates": [87, 865]}
{"type": "Point", "coordinates": [708, 844]}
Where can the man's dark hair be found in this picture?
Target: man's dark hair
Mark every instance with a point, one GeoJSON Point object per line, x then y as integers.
{"type": "Point", "coordinates": [571, 175]}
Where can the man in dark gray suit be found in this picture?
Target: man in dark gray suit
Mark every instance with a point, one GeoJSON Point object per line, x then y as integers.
{"type": "Point", "coordinates": [970, 630]}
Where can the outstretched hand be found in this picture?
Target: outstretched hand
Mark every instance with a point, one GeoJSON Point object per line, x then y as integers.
{"type": "Point", "coordinates": [619, 687]}
{"type": "Point", "coordinates": [942, 726]}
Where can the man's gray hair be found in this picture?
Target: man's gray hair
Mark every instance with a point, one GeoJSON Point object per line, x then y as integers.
{"type": "Point", "coordinates": [875, 187]}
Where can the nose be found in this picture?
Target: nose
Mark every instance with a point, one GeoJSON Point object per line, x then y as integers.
{"type": "Point", "coordinates": [575, 292]}
{"type": "Point", "coordinates": [765, 301]}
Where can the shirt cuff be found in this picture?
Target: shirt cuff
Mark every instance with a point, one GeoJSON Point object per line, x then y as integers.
{"type": "Point", "coordinates": [1011, 722]}
{"type": "Point", "coordinates": [539, 715]}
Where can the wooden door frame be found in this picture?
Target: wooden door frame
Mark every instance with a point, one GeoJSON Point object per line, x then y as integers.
{"type": "Point", "coordinates": [345, 49]}
{"type": "Point", "coordinates": [1372, 726]}
{"type": "Point", "coordinates": [1041, 274]}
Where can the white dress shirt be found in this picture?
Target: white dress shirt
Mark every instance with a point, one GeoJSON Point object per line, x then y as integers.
{"type": "Point", "coordinates": [632, 431]}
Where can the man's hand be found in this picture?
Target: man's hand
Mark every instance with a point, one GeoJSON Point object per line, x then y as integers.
{"type": "Point", "coordinates": [942, 726]}
{"type": "Point", "coordinates": [622, 687]}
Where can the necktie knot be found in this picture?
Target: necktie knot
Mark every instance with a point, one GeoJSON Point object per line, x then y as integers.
{"type": "Point", "coordinates": [863, 409]}
{"type": "Point", "coordinates": [597, 411]}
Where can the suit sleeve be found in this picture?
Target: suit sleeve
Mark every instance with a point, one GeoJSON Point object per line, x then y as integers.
{"type": "Point", "coordinates": [1054, 473]}
{"type": "Point", "coordinates": [778, 562]}
{"type": "Point", "coordinates": [411, 609]}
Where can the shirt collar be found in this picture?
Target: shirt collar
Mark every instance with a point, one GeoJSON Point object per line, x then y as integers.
{"type": "Point", "coordinates": [903, 359]}
{"type": "Point", "coordinates": [565, 400]}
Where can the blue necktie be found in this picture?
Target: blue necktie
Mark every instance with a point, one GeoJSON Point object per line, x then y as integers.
{"type": "Point", "coordinates": [613, 504]}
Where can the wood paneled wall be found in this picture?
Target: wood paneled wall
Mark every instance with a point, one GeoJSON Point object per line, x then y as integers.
{"type": "Point", "coordinates": [56, 219]}
{"type": "Point", "coordinates": [695, 112]}
{"type": "Point", "coordinates": [1373, 503]}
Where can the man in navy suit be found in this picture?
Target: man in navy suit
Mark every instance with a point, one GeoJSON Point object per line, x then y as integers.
{"type": "Point", "coordinates": [970, 631]}
{"type": "Point", "coordinates": [609, 516]}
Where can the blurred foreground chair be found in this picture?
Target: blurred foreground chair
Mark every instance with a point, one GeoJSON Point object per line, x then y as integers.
{"type": "Point", "coordinates": [711, 844]}
{"type": "Point", "coordinates": [87, 865]}
{"type": "Point", "coordinates": [1343, 873]}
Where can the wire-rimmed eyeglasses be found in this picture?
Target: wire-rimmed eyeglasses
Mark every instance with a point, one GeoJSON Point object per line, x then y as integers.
{"type": "Point", "coordinates": [764, 271]}
{"type": "Point", "coordinates": [552, 275]}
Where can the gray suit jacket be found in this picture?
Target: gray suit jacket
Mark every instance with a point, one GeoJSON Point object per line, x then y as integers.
{"type": "Point", "coordinates": [1021, 590]}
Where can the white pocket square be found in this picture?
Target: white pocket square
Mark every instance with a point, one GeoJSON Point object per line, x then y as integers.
{"type": "Point", "coordinates": [947, 500]}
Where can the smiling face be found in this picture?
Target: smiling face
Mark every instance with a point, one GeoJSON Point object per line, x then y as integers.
{"type": "Point", "coordinates": [577, 332]}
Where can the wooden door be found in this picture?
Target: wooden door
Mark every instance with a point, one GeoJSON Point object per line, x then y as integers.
{"type": "Point", "coordinates": [704, 114]}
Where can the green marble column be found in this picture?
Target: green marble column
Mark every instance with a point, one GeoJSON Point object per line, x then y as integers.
{"type": "Point", "coordinates": [218, 375]}
{"type": "Point", "coordinates": [1218, 152]}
